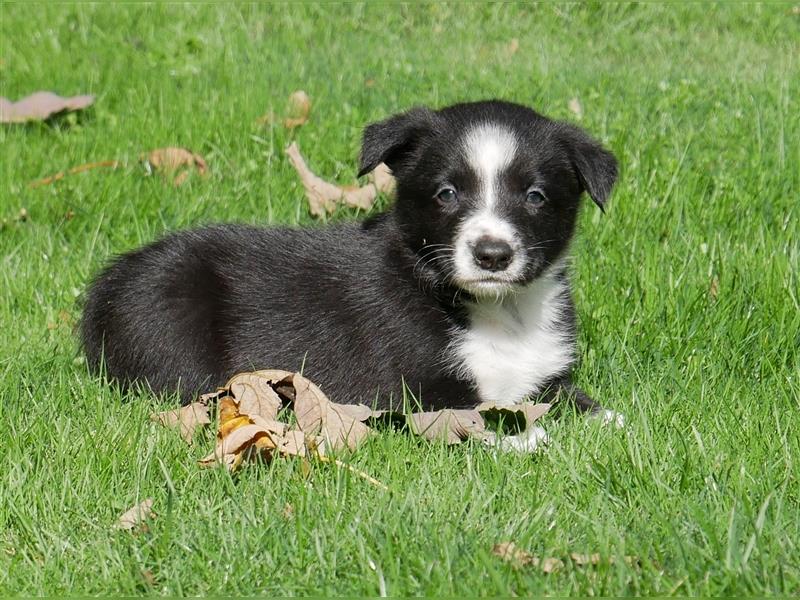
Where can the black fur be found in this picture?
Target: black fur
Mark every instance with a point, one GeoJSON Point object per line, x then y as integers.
{"type": "Point", "coordinates": [357, 306]}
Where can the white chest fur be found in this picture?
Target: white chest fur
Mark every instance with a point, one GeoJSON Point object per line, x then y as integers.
{"type": "Point", "coordinates": [514, 346]}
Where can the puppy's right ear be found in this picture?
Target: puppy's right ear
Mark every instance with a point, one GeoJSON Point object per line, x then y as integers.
{"type": "Point", "coordinates": [392, 141]}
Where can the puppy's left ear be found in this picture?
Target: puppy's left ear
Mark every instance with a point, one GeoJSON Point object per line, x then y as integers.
{"type": "Point", "coordinates": [595, 166]}
{"type": "Point", "coordinates": [394, 140]}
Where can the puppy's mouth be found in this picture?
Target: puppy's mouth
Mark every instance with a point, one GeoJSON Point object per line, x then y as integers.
{"type": "Point", "coordinates": [487, 286]}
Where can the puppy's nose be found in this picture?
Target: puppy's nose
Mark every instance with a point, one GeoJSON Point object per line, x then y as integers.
{"type": "Point", "coordinates": [492, 254]}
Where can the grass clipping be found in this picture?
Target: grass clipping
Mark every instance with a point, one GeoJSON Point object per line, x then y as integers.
{"type": "Point", "coordinates": [250, 407]}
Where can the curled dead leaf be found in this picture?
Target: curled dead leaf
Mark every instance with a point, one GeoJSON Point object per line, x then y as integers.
{"type": "Point", "coordinates": [529, 411]}
{"type": "Point", "coordinates": [214, 396]}
{"type": "Point", "coordinates": [575, 107]}
{"type": "Point", "coordinates": [40, 106]}
{"type": "Point", "coordinates": [518, 558]}
{"type": "Point", "coordinates": [173, 160]}
{"type": "Point", "coordinates": [187, 419]}
{"type": "Point", "coordinates": [297, 113]}
{"type": "Point", "coordinates": [324, 197]}
{"type": "Point", "coordinates": [449, 424]}
{"type": "Point", "coordinates": [113, 164]}
{"type": "Point", "coordinates": [135, 515]}
{"type": "Point", "coordinates": [713, 290]}
{"type": "Point", "coordinates": [316, 415]}
{"type": "Point", "coordinates": [299, 110]}
{"type": "Point", "coordinates": [243, 437]}
{"type": "Point", "coordinates": [254, 395]}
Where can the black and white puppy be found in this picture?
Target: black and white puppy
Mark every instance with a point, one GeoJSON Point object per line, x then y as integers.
{"type": "Point", "coordinates": [458, 294]}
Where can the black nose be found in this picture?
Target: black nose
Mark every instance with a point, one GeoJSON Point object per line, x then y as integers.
{"type": "Point", "coordinates": [492, 255]}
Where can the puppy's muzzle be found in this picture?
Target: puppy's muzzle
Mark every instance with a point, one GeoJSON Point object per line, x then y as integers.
{"type": "Point", "coordinates": [492, 254]}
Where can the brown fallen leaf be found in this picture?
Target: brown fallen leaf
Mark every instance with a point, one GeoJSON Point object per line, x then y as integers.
{"type": "Point", "coordinates": [274, 428]}
{"type": "Point", "coordinates": [316, 415]}
{"type": "Point", "coordinates": [172, 160]}
{"type": "Point", "coordinates": [449, 424]}
{"type": "Point", "coordinates": [186, 419]}
{"type": "Point", "coordinates": [509, 552]}
{"type": "Point", "coordinates": [713, 290]}
{"type": "Point", "coordinates": [148, 577]}
{"type": "Point", "coordinates": [299, 110]}
{"type": "Point", "coordinates": [530, 411]}
{"type": "Point", "coordinates": [585, 559]}
{"type": "Point", "coordinates": [575, 107]}
{"type": "Point", "coordinates": [238, 434]}
{"type": "Point", "coordinates": [113, 164]}
{"type": "Point", "coordinates": [214, 396]}
{"type": "Point", "coordinates": [135, 515]}
{"type": "Point", "coordinates": [40, 106]}
{"type": "Point", "coordinates": [324, 197]}
{"type": "Point", "coordinates": [254, 395]}
{"type": "Point", "coordinates": [294, 443]}
{"type": "Point", "coordinates": [242, 437]}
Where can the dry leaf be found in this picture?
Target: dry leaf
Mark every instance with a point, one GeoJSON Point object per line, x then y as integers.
{"type": "Point", "coordinates": [187, 419]}
{"type": "Point", "coordinates": [575, 107]}
{"type": "Point", "coordinates": [135, 515]}
{"type": "Point", "coordinates": [550, 564]}
{"type": "Point", "coordinates": [294, 443]}
{"type": "Point", "coordinates": [585, 559]}
{"type": "Point", "coordinates": [713, 291]}
{"type": "Point", "coordinates": [254, 395]}
{"type": "Point", "coordinates": [509, 552]}
{"type": "Point", "coordinates": [169, 160]}
{"type": "Point", "coordinates": [299, 110]}
{"type": "Point", "coordinates": [114, 164]}
{"type": "Point", "coordinates": [450, 425]}
{"type": "Point", "coordinates": [359, 412]}
{"type": "Point", "coordinates": [40, 106]}
{"type": "Point", "coordinates": [214, 396]}
{"type": "Point", "coordinates": [530, 411]}
{"type": "Point", "coordinates": [274, 428]}
{"type": "Point", "coordinates": [513, 46]}
{"type": "Point", "coordinates": [324, 197]}
{"type": "Point", "coordinates": [316, 415]}
{"type": "Point", "coordinates": [242, 437]}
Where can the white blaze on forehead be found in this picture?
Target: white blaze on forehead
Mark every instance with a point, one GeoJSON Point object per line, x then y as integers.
{"type": "Point", "coordinates": [490, 148]}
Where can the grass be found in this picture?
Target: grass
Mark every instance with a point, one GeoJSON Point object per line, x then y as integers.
{"type": "Point", "coordinates": [687, 293]}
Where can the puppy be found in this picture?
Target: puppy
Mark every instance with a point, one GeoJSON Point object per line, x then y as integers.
{"type": "Point", "coordinates": [459, 294]}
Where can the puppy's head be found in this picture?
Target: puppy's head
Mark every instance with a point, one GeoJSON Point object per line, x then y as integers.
{"type": "Point", "coordinates": [487, 192]}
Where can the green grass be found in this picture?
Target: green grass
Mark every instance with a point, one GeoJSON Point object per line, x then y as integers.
{"type": "Point", "coordinates": [700, 104]}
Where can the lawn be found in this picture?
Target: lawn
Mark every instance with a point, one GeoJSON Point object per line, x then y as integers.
{"type": "Point", "coordinates": [687, 293]}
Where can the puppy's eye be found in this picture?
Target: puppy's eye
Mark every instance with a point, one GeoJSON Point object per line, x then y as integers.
{"type": "Point", "coordinates": [535, 197]}
{"type": "Point", "coordinates": [447, 195]}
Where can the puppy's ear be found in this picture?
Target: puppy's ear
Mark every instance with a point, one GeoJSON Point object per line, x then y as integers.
{"type": "Point", "coordinates": [595, 166]}
{"type": "Point", "coordinates": [392, 141]}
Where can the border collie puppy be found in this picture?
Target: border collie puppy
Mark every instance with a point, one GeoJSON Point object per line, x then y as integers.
{"type": "Point", "coordinates": [459, 293]}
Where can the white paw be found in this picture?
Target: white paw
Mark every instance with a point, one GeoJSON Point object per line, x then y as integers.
{"type": "Point", "coordinates": [610, 417]}
{"type": "Point", "coordinates": [529, 441]}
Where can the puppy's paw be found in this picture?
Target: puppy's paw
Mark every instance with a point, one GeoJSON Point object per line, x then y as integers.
{"type": "Point", "coordinates": [529, 441]}
{"type": "Point", "coordinates": [609, 418]}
